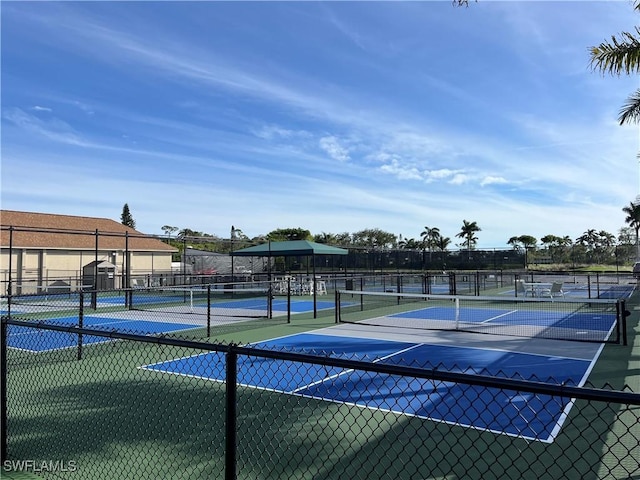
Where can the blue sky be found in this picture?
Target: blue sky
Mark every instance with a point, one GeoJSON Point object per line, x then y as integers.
{"type": "Point", "coordinates": [333, 117]}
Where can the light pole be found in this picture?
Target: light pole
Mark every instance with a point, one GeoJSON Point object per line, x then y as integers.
{"type": "Point", "coordinates": [233, 236]}
{"type": "Point", "coordinates": [233, 233]}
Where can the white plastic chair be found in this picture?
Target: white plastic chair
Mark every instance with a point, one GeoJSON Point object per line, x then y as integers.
{"type": "Point", "coordinates": [307, 288]}
{"type": "Point", "coordinates": [520, 290]}
{"type": "Point", "coordinates": [554, 291]}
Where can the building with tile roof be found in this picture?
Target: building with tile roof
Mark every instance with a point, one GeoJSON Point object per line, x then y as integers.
{"type": "Point", "coordinates": [42, 249]}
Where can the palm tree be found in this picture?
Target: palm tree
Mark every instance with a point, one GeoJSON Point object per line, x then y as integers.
{"type": "Point", "coordinates": [430, 237]}
{"type": "Point", "coordinates": [442, 244]}
{"type": "Point", "coordinates": [409, 244]}
{"type": "Point", "coordinates": [588, 238]}
{"type": "Point", "coordinates": [633, 219]}
{"type": "Point", "coordinates": [468, 234]}
{"type": "Point", "coordinates": [621, 55]}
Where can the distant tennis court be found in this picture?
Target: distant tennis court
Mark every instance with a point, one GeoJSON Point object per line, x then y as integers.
{"type": "Point", "coordinates": [588, 320]}
{"type": "Point", "coordinates": [33, 340]}
{"type": "Point", "coordinates": [158, 315]}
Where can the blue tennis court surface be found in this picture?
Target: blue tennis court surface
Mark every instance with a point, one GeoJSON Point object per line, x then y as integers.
{"type": "Point", "coordinates": [279, 304]}
{"type": "Point", "coordinates": [301, 306]}
{"type": "Point", "coordinates": [536, 417]}
{"type": "Point", "coordinates": [575, 320]}
{"type": "Point", "coordinates": [33, 340]}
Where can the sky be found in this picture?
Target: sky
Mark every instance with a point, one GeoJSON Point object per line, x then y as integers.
{"type": "Point", "coordinates": [328, 116]}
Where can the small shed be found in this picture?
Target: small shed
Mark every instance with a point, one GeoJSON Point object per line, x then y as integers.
{"type": "Point", "coordinates": [99, 275]}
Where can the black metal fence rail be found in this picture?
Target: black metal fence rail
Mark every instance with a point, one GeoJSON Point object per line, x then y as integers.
{"type": "Point", "coordinates": [117, 413]}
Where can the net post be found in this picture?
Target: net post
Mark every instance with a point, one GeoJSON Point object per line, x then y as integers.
{"type": "Point", "coordinates": [80, 324]}
{"type": "Point", "coordinates": [337, 305]}
{"type": "Point", "coordinates": [623, 314]}
{"type": "Point", "coordinates": [457, 307]}
{"type": "Point", "coordinates": [289, 300]}
{"type": "Point", "coordinates": [270, 296]}
{"type": "Point", "coordinates": [208, 311]}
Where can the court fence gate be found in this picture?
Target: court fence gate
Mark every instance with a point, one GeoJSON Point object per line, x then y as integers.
{"type": "Point", "coordinates": [117, 414]}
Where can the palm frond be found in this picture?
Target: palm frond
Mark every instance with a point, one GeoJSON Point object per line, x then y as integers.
{"type": "Point", "coordinates": [622, 55]}
{"type": "Point", "coordinates": [630, 111]}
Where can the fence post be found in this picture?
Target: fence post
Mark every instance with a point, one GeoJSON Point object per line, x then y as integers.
{"type": "Point", "coordinates": [208, 311]}
{"type": "Point", "coordinates": [3, 389]}
{"type": "Point", "coordinates": [231, 414]}
{"type": "Point", "coordinates": [80, 323]}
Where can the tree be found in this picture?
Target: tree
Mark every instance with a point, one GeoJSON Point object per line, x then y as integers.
{"type": "Point", "coordinates": [621, 55]}
{"type": "Point", "coordinates": [430, 237]}
{"type": "Point", "coordinates": [126, 218]}
{"type": "Point", "coordinates": [168, 229]}
{"type": "Point", "coordinates": [326, 238]}
{"type": "Point", "coordinates": [633, 220]}
{"type": "Point", "coordinates": [467, 233]}
{"type": "Point", "coordinates": [283, 234]}
{"type": "Point", "coordinates": [409, 244]}
{"type": "Point", "coordinates": [442, 244]}
{"type": "Point", "coordinates": [523, 241]}
{"type": "Point", "coordinates": [374, 238]}
{"type": "Point", "coordinates": [187, 232]}
{"type": "Point", "coordinates": [588, 239]}
{"type": "Point", "coordinates": [557, 246]}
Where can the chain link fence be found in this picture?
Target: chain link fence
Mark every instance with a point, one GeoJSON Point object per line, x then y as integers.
{"type": "Point", "coordinates": [139, 406]}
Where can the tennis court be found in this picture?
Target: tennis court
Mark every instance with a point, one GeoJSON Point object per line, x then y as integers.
{"type": "Point", "coordinates": [544, 340]}
{"type": "Point", "coordinates": [32, 340]}
{"type": "Point", "coordinates": [534, 417]}
{"type": "Point", "coordinates": [589, 320]}
{"type": "Point", "coordinates": [155, 315]}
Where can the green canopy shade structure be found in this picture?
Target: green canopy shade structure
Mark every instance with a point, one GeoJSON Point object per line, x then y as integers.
{"type": "Point", "coordinates": [290, 249]}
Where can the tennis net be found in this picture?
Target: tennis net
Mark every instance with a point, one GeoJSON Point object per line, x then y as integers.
{"type": "Point", "coordinates": [41, 298]}
{"type": "Point", "coordinates": [207, 300]}
{"type": "Point", "coordinates": [595, 320]}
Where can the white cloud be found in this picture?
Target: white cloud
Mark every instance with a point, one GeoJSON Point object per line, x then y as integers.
{"type": "Point", "coordinates": [401, 172]}
{"type": "Point", "coordinates": [332, 146]}
{"type": "Point", "coordinates": [491, 180]}
{"type": "Point", "coordinates": [441, 174]}
{"type": "Point", "coordinates": [53, 129]}
{"type": "Point", "coordinates": [459, 179]}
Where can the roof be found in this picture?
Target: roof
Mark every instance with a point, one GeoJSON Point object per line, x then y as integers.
{"type": "Point", "coordinates": [290, 248]}
{"type": "Point", "coordinates": [68, 232]}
